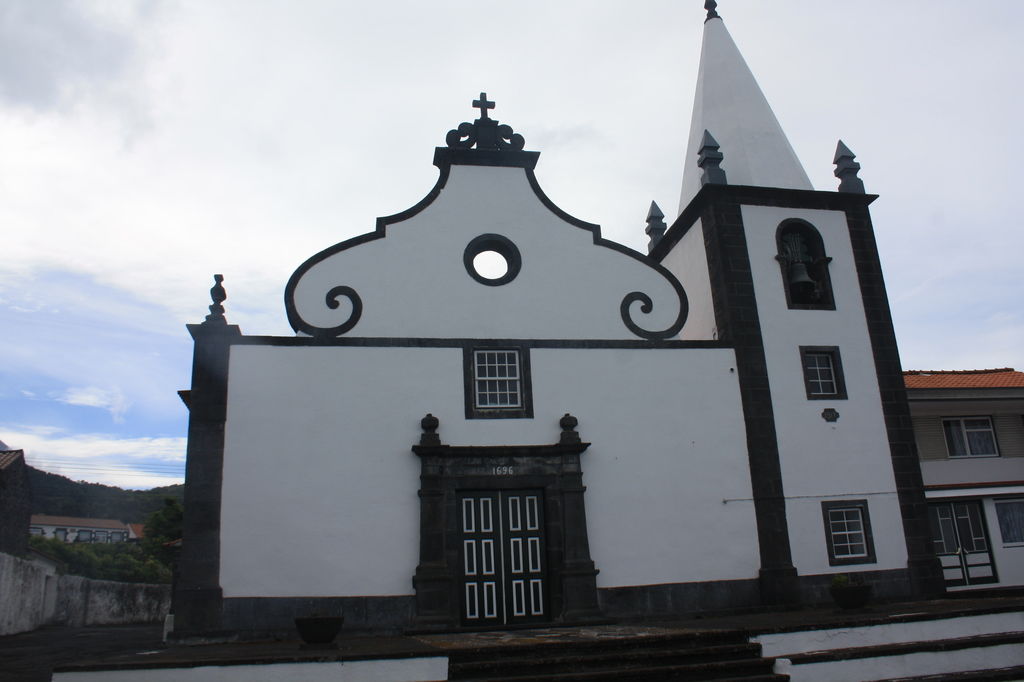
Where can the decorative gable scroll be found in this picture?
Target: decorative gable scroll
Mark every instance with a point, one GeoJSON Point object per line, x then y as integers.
{"type": "Point", "coordinates": [414, 276]}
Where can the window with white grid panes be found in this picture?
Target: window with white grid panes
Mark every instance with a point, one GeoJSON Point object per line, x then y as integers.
{"type": "Point", "coordinates": [823, 373]}
{"type": "Point", "coordinates": [847, 529]}
{"type": "Point", "coordinates": [848, 532]}
{"type": "Point", "coordinates": [820, 375]}
{"type": "Point", "coordinates": [496, 379]}
{"type": "Point", "coordinates": [497, 382]}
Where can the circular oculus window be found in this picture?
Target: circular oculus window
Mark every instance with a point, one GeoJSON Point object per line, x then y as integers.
{"type": "Point", "coordinates": [492, 260]}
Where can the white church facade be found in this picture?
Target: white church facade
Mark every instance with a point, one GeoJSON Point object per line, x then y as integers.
{"type": "Point", "coordinates": [592, 433]}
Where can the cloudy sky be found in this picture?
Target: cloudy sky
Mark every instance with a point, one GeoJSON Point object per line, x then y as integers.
{"type": "Point", "coordinates": [146, 145]}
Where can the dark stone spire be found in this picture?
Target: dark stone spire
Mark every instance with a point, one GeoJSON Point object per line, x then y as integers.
{"type": "Point", "coordinates": [218, 295]}
{"type": "Point", "coordinates": [711, 6]}
{"type": "Point", "coordinates": [846, 170]}
{"type": "Point", "coordinates": [709, 159]}
{"type": "Point", "coordinates": [655, 226]}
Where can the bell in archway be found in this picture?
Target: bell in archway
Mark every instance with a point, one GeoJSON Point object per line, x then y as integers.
{"type": "Point", "coordinates": [801, 286]}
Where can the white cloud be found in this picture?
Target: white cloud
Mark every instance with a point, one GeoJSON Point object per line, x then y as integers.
{"type": "Point", "coordinates": [98, 457]}
{"type": "Point", "coordinates": [110, 399]}
{"type": "Point", "coordinates": [50, 49]}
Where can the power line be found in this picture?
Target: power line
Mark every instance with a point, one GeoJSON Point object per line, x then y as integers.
{"type": "Point", "coordinates": [126, 471]}
{"type": "Point", "coordinates": [108, 465]}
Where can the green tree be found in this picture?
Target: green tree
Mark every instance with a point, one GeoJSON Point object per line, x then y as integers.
{"type": "Point", "coordinates": [121, 561]}
{"type": "Point", "coordinates": [163, 526]}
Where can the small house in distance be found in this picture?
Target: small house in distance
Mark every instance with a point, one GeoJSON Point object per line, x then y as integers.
{"type": "Point", "coordinates": [585, 431]}
{"type": "Point", "coordinates": [76, 529]}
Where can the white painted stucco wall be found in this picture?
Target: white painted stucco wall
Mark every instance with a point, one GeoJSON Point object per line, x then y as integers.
{"type": "Point", "coordinates": [320, 484]}
{"type": "Point", "coordinates": [414, 283]}
{"type": "Point", "coordinates": [688, 261]}
{"type": "Point", "coordinates": [847, 459]}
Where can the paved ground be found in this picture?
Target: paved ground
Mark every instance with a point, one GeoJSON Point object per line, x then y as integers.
{"type": "Point", "coordinates": [31, 657]}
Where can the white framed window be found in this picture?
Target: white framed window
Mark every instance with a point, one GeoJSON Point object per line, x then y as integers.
{"type": "Point", "coordinates": [848, 532]}
{"type": "Point", "coordinates": [970, 437]}
{"type": "Point", "coordinates": [846, 528]}
{"type": "Point", "coordinates": [823, 373]}
{"type": "Point", "coordinates": [497, 382]}
{"type": "Point", "coordinates": [1011, 521]}
{"type": "Point", "coordinates": [496, 379]}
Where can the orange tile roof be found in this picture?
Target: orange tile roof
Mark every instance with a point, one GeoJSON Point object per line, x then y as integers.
{"type": "Point", "coordinates": [138, 529]}
{"type": "Point", "coordinates": [1004, 377]}
{"type": "Point", "coordinates": [76, 522]}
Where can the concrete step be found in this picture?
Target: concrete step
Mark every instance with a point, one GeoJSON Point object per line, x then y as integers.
{"type": "Point", "coordinates": [648, 642]}
{"type": "Point", "coordinates": [991, 675]}
{"type": "Point", "coordinates": [697, 655]}
{"type": "Point", "coordinates": [888, 661]}
{"type": "Point", "coordinates": [747, 670]}
{"type": "Point", "coordinates": [614, 657]}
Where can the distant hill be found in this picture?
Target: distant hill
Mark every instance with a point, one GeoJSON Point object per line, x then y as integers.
{"type": "Point", "coordinates": [60, 496]}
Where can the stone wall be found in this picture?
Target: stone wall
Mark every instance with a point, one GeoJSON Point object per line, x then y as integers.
{"type": "Point", "coordinates": [23, 586]}
{"type": "Point", "coordinates": [32, 595]}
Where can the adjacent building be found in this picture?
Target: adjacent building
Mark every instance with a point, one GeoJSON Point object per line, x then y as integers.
{"type": "Point", "coordinates": [969, 426]}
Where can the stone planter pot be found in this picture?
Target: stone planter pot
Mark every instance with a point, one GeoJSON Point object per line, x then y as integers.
{"type": "Point", "coordinates": [851, 596]}
{"type": "Point", "coordinates": [319, 629]}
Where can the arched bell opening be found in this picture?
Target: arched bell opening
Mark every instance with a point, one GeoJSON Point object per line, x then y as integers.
{"type": "Point", "coordinates": [804, 266]}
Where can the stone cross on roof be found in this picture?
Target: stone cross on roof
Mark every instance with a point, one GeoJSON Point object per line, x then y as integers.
{"type": "Point", "coordinates": [483, 104]}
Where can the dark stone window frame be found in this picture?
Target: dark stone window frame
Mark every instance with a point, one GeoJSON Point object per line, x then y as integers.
{"type": "Point", "coordinates": [865, 518]}
{"type": "Point", "coordinates": [818, 267]}
{"type": "Point", "coordinates": [837, 372]}
{"type": "Point", "coordinates": [525, 408]}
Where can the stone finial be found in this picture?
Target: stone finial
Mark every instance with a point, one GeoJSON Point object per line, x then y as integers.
{"type": "Point", "coordinates": [429, 424]}
{"type": "Point", "coordinates": [847, 169]}
{"type": "Point", "coordinates": [711, 6]}
{"type": "Point", "coordinates": [568, 424]}
{"type": "Point", "coordinates": [485, 132]}
{"type": "Point", "coordinates": [218, 295]}
{"type": "Point", "coordinates": [709, 159]}
{"type": "Point", "coordinates": [655, 226]}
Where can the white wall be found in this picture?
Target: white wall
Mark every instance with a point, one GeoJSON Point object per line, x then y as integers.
{"type": "Point", "coordinates": [688, 261]}
{"type": "Point", "coordinates": [319, 494]}
{"type": "Point", "coordinates": [413, 282]}
{"type": "Point", "coordinates": [847, 459]}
